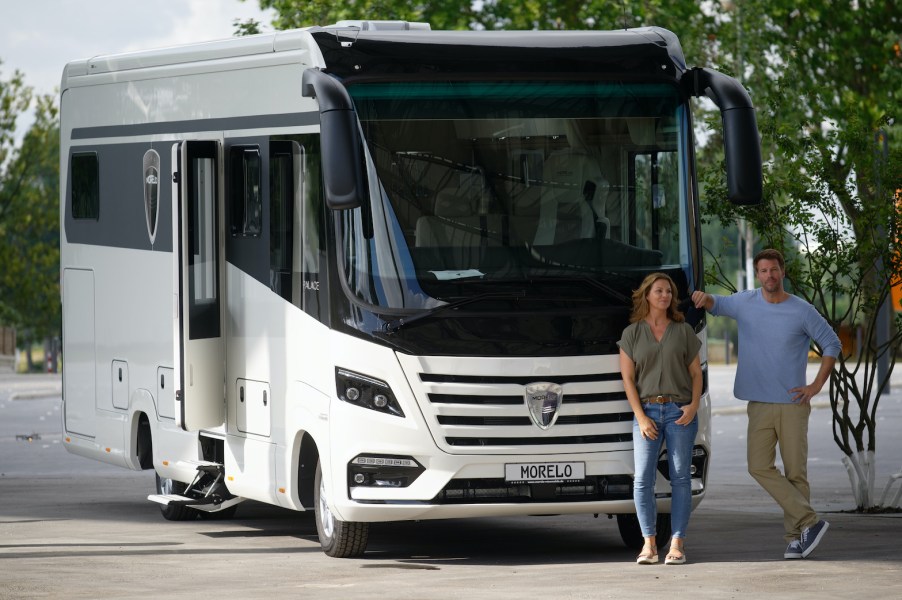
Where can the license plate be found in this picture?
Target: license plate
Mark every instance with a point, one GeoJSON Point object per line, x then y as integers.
{"type": "Point", "coordinates": [550, 472]}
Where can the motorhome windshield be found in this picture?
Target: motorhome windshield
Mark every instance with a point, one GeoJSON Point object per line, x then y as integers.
{"type": "Point", "coordinates": [494, 187]}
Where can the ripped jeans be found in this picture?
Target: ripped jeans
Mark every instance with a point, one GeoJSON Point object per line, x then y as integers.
{"type": "Point", "coordinates": [679, 439]}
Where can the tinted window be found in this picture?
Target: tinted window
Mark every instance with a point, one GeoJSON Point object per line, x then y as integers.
{"type": "Point", "coordinates": [85, 175]}
{"type": "Point", "coordinates": [244, 184]}
{"type": "Point", "coordinates": [281, 217]}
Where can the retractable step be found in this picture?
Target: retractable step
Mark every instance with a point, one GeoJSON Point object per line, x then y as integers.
{"type": "Point", "coordinates": [207, 492]}
{"type": "Point", "coordinates": [204, 504]}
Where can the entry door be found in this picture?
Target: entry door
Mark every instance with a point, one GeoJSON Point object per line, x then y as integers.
{"type": "Point", "coordinates": [199, 345]}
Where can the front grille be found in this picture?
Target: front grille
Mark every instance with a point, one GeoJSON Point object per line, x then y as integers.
{"type": "Point", "coordinates": [477, 405]}
{"type": "Point", "coordinates": [473, 399]}
{"type": "Point", "coordinates": [532, 441]}
{"type": "Point", "coordinates": [494, 491]}
{"type": "Point", "coordinates": [520, 380]}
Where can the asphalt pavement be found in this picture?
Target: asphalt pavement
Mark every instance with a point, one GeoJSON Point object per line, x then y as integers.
{"type": "Point", "coordinates": [72, 528]}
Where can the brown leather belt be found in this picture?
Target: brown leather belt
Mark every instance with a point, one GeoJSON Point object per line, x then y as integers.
{"type": "Point", "coordinates": [660, 399]}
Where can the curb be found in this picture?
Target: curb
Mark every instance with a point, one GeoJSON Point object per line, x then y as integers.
{"type": "Point", "coordinates": [36, 394]}
{"type": "Point", "coordinates": [735, 410]}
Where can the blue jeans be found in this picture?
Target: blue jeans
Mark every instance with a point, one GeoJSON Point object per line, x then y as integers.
{"type": "Point", "coordinates": [679, 439]}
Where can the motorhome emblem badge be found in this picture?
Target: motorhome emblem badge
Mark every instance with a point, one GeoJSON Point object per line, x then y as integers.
{"type": "Point", "coordinates": [152, 192]}
{"type": "Point", "coordinates": [543, 399]}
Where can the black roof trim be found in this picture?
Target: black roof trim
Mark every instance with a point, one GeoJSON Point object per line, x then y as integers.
{"type": "Point", "coordinates": [647, 51]}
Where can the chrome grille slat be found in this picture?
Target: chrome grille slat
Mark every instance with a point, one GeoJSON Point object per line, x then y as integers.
{"type": "Point", "coordinates": [476, 405]}
{"type": "Point", "coordinates": [509, 421]}
{"type": "Point", "coordinates": [516, 379]}
{"type": "Point", "coordinates": [613, 438]}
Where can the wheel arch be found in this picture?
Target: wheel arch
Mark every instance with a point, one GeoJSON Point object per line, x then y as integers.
{"type": "Point", "coordinates": [139, 444]}
{"type": "Point", "coordinates": [307, 457]}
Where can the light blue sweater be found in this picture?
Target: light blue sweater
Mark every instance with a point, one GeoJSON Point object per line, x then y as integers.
{"type": "Point", "coordinates": [773, 343]}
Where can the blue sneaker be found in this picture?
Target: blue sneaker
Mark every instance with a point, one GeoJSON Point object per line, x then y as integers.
{"type": "Point", "coordinates": [793, 550]}
{"type": "Point", "coordinates": [811, 537]}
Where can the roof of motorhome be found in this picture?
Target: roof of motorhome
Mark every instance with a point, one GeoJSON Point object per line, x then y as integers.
{"type": "Point", "coordinates": [351, 52]}
{"type": "Point", "coordinates": [267, 43]}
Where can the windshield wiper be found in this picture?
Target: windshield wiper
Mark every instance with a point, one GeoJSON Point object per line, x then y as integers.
{"type": "Point", "coordinates": [610, 291]}
{"type": "Point", "coordinates": [395, 325]}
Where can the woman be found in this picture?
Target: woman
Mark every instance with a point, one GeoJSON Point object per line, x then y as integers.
{"type": "Point", "coordinates": [662, 376]}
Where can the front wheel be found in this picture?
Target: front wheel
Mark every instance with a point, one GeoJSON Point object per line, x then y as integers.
{"type": "Point", "coordinates": [631, 533]}
{"type": "Point", "coordinates": [174, 512]}
{"type": "Point", "coordinates": [339, 539]}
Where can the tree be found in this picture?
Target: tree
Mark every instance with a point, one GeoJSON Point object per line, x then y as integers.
{"type": "Point", "coordinates": [695, 26]}
{"type": "Point", "coordinates": [29, 214]}
{"type": "Point", "coordinates": [15, 97]}
{"type": "Point", "coordinates": [845, 272]}
{"type": "Point", "coordinates": [832, 77]}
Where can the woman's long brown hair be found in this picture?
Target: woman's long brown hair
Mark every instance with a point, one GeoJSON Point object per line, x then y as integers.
{"type": "Point", "coordinates": [640, 299]}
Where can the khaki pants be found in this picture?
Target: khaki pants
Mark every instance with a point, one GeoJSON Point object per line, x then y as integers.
{"type": "Point", "coordinates": [786, 424]}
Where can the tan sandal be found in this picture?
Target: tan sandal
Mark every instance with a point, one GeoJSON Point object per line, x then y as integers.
{"type": "Point", "coordinates": [673, 558]}
{"type": "Point", "coordinates": [647, 558]}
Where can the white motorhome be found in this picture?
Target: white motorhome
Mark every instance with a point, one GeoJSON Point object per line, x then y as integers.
{"type": "Point", "coordinates": [379, 271]}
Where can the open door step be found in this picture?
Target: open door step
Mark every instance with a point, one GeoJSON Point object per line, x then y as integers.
{"type": "Point", "coordinates": [205, 504]}
{"type": "Point", "coordinates": [207, 492]}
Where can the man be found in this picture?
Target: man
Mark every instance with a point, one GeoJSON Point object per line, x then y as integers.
{"type": "Point", "coordinates": [775, 332]}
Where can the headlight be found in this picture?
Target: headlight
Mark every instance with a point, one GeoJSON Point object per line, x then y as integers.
{"type": "Point", "coordinates": [366, 392]}
{"type": "Point", "coordinates": [373, 470]}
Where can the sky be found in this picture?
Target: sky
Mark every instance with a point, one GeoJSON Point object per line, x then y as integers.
{"type": "Point", "coordinates": [38, 37]}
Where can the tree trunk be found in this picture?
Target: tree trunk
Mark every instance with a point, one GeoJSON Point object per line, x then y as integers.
{"type": "Point", "coordinates": [889, 485]}
{"type": "Point", "coordinates": [860, 467]}
{"type": "Point", "coordinates": [29, 360]}
{"type": "Point", "coordinates": [51, 353]}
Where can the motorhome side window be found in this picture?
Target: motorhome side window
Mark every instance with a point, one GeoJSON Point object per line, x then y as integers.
{"type": "Point", "coordinates": [308, 231]}
{"type": "Point", "coordinates": [245, 186]}
{"type": "Point", "coordinates": [85, 177]}
{"type": "Point", "coordinates": [281, 217]}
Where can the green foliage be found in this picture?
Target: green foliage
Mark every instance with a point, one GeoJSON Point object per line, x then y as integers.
{"type": "Point", "coordinates": [29, 213]}
{"type": "Point", "coordinates": [832, 207]}
{"type": "Point", "coordinates": [246, 27]}
{"type": "Point", "coordinates": [696, 28]}
{"type": "Point", "coordinates": [15, 97]}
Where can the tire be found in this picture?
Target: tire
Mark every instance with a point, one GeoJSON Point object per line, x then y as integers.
{"type": "Point", "coordinates": [169, 512]}
{"type": "Point", "coordinates": [631, 533]}
{"type": "Point", "coordinates": [339, 539]}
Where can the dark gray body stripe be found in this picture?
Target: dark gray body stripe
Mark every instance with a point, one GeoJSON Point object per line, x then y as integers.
{"type": "Point", "coordinates": [196, 125]}
{"type": "Point", "coordinates": [122, 222]}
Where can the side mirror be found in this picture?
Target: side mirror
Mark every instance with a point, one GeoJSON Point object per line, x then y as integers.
{"type": "Point", "coordinates": [742, 144]}
{"type": "Point", "coordinates": [344, 181]}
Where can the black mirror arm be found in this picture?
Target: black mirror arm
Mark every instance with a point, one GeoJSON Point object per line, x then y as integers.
{"type": "Point", "coordinates": [341, 146]}
{"type": "Point", "coordinates": [742, 144]}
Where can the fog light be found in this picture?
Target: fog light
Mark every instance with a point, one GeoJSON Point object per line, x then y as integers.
{"type": "Point", "coordinates": [699, 462]}
{"type": "Point", "coordinates": [697, 466]}
{"type": "Point", "coordinates": [352, 394]}
{"type": "Point", "coordinates": [372, 470]}
{"type": "Point", "coordinates": [381, 401]}
{"type": "Point", "coordinates": [396, 482]}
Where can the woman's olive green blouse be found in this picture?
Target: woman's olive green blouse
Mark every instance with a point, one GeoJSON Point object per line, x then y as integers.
{"type": "Point", "coordinates": [662, 368]}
